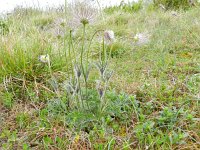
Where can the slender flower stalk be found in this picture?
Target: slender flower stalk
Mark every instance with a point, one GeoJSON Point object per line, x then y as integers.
{"type": "Point", "coordinates": [105, 74]}
{"type": "Point", "coordinates": [65, 43]}
{"type": "Point", "coordinates": [70, 43]}
{"type": "Point", "coordinates": [109, 39]}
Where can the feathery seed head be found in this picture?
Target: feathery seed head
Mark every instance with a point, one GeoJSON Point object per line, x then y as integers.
{"type": "Point", "coordinates": [141, 39]}
{"type": "Point", "coordinates": [82, 13]}
{"type": "Point", "coordinates": [109, 36]}
{"type": "Point", "coordinates": [44, 58]}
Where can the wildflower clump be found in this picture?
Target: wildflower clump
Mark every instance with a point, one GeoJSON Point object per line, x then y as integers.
{"type": "Point", "coordinates": [77, 85]}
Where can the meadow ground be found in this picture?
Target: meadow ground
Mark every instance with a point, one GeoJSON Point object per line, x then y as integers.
{"type": "Point", "coordinates": [151, 101]}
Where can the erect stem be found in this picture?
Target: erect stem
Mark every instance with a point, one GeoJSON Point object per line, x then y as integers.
{"type": "Point", "coordinates": [82, 50]}
{"type": "Point", "coordinates": [65, 34]}
{"type": "Point", "coordinates": [69, 52]}
{"type": "Point", "coordinates": [72, 45]}
{"type": "Point", "coordinates": [91, 44]}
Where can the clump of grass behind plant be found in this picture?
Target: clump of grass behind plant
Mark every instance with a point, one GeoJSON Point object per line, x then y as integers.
{"type": "Point", "coordinates": [4, 27]}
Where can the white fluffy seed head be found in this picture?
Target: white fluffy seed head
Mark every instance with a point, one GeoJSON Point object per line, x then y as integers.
{"type": "Point", "coordinates": [82, 12]}
{"type": "Point", "coordinates": [109, 36]}
{"type": "Point", "coordinates": [141, 39]}
{"type": "Point", "coordinates": [44, 58]}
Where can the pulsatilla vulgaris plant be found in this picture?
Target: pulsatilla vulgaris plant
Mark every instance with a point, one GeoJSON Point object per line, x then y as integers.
{"type": "Point", "coordinates": [82, 64]}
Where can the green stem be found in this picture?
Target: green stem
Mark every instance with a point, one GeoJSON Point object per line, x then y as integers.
{"type": "Point", "coordinates": [81, 96]}
{"type": "Point", "coordinates": [89, 47]}
{"type": "Point", "coordinates": [73, 50]}
{"type": "Point", "coordinates": [50, 71]}
{"type": "Point", "coordinates": [64, 35]}
{"type": "Point", "coordinates": [86, 86]}
{"type": "Point", "coordinates": [69, 53]}
{"type": "Point", "coordinates": [82, 51]}
{"type": "Point", "coordinates": [104, 55]}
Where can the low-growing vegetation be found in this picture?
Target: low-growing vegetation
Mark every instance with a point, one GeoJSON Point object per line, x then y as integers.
{"type": "Point", "coordinates": [127, 77]}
